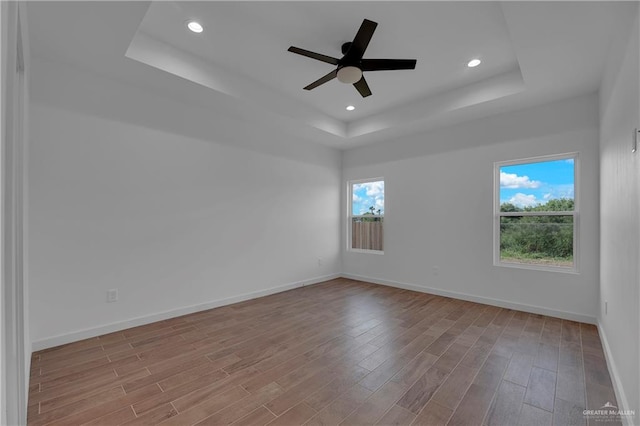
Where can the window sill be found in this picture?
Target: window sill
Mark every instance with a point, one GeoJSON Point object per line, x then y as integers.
{"type": "Point", "coordinates": [379, 252]}
{"type": "Point", "coordinates": [561, 269]}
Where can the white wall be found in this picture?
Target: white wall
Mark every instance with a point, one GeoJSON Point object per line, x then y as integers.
{"type": "Point", "coordinates": [620, 214]}
{"type": "Point", "coordinates": [173, 205]}
{"type": "Point", "coordinates": [439, 209]}
{"type": "Point", "coordinates": [15, 343]}
{"type": "Point", "coordinates": [4, 33]}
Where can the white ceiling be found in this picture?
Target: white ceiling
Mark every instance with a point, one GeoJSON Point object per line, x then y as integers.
{"type": "Point", "coordinates": [252, 40]}
{"type": "Point", "coordinates": [532, 52]}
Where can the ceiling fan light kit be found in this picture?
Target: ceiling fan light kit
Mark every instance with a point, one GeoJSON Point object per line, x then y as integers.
{"type": "Point", "coordinates": [350, 67]}
{"type": "Point", "coordinates": [349, 75]}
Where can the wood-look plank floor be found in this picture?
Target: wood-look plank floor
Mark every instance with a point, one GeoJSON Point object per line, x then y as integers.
{"type": "Point", "coordinates": [340, 352]}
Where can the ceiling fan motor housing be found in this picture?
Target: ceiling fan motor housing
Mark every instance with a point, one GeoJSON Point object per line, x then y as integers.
{"type": "Point", "coordinates": [345, 47]}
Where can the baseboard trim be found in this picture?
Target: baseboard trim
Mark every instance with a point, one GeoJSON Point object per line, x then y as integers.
{"type": "Point", "coordinates": [479, 299]}
{"type": "Point", "coordinates": [88, 333]}
{"type": "Point", "coordinates": [621, 397]}
{"type": "Point", "coordinates": [134, 322]}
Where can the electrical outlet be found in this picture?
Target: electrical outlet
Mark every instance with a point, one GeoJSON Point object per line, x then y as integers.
{"type": "Point", "coordinates": [435, 270]}
{"type": "Point", "coordinates": [320, 261]}
{"type": "Point", "coordinates": [112, 295]}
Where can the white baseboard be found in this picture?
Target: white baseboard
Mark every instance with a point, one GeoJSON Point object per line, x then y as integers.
{"type": "Point", "coordinates": [621, 397]}
{"type": "Point", "coordinates": [87, 333]}
{"type": "Point", "coordinates": [134, 322]}
{"type": "Point", "coordinates": [26, 378]}
{"type": "Point", "coordinates": [479, 299]}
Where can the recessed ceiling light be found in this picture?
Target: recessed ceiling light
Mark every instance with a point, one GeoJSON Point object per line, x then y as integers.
{"type": "Point", "coordinates": [474, 63]}
{"type": "Point", "coordinates": [195, 26]}
{"type": "Point", "coordinates": [350, 108]}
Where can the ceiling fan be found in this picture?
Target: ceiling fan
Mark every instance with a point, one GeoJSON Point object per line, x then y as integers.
{"type": "Point", "coordinates": [351, 66]}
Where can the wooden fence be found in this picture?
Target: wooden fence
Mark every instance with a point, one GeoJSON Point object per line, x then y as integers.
{"type": "Point", "coordinates": [367, 235]}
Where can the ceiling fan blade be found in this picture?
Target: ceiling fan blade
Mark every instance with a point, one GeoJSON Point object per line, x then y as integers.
{"type": "Point", "coordinates": [387, 64]}
{"type": "Point", "coordinates": [362, 39]}
{"type": "Point", "coordinates": [314, 55]}
{"type": "Point", "coordinates": [362, 87]}
{"type": "Point", "coordinates": [322, 80]}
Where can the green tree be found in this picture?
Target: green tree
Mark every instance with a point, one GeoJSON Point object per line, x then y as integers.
{"type": "Point", "coordinates": [538, 237]}
{"type": "Point", "coordinates": [371, 215]}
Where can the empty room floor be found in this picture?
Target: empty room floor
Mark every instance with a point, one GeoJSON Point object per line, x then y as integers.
{"type": "Point", "coordinates": [339, 352]}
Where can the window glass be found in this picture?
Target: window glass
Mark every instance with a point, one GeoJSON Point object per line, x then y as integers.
{"type": "Point", "coordinates": [537, 213]}
{"type": "Point", "coordinates": [367, 215]}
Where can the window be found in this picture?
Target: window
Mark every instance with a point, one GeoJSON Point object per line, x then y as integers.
{"type": "Point", "coordinates": [366, 215]}
{"type": "Point", "coordinates": [536, 213]}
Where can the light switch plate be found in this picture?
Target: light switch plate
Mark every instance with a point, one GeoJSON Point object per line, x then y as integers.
{"type": "Point", "coordinates": [634, 142]}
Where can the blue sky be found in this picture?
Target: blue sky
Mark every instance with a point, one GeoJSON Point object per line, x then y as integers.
{"type": "Point", "coordinates": [366, 195]}
{"type": "Point", "coordinates": [531, 184]}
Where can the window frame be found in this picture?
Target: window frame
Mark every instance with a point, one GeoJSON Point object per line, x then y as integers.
{"type": "Point", "coordinates": [351, 216]}
{"type": "Point", "coordinates": [497, 214]}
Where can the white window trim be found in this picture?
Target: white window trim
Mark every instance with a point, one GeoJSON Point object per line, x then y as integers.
{"type": "Point", "coordinates": [497, 214]}
{"type": "Point", "coordinates": [350, 216]}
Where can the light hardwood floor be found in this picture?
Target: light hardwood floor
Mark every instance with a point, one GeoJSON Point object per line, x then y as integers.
{"type": "Point", "coordinates": [339, 352]}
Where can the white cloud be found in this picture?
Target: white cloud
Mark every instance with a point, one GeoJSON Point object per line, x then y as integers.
{"type": "Point", "coordinates": [513, 181]}
{"type": "Point", "coordinates": [560, 191]}
{"type": "Point", "coordinates": [374, 189]}
{"type": "Point", "coordinates": [524, 200]}
{"type": "Point", "coordinates": [564, 191]}
{"type": "Point", "coordinates": [370, 194]}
